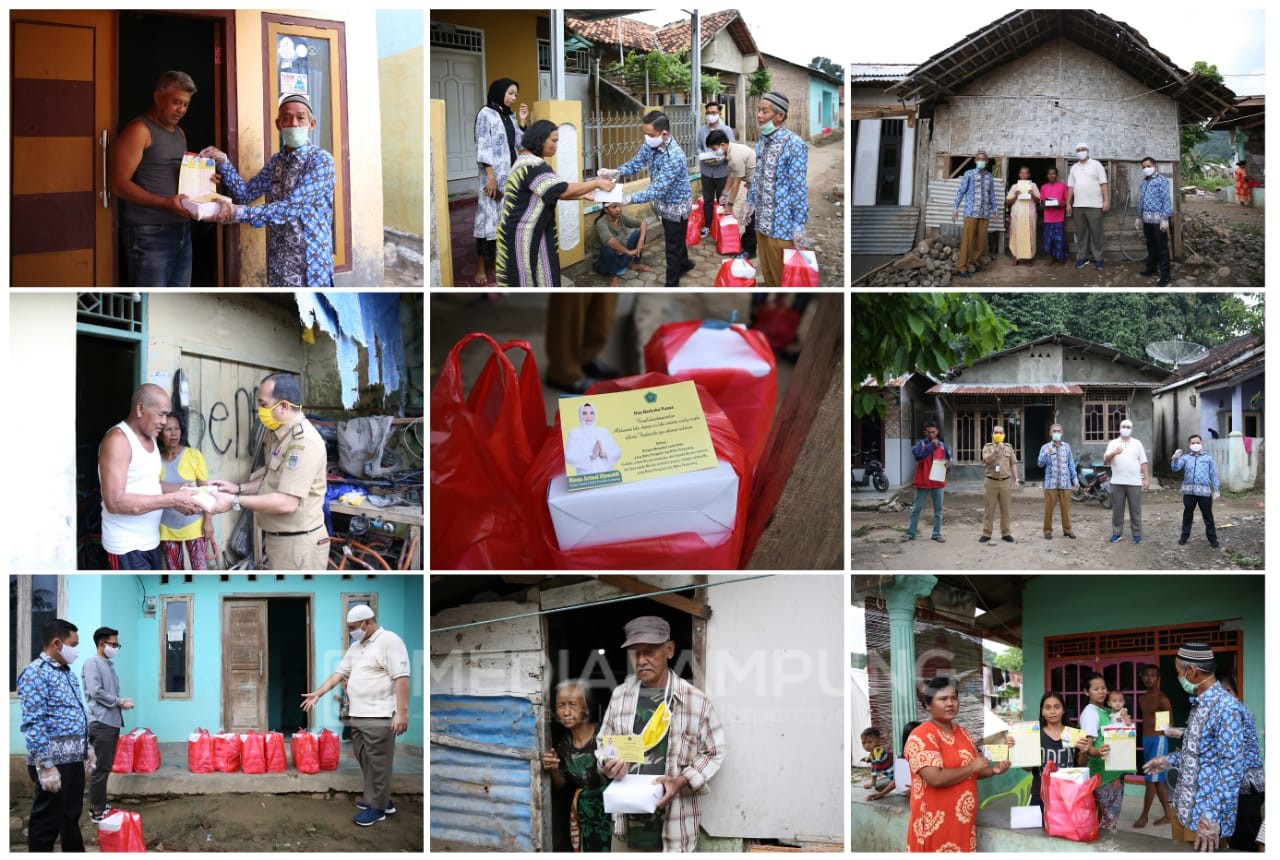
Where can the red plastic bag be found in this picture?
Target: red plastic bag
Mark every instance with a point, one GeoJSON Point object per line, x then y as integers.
{"type": "Point", "coordinates": [146, 751]}
{"type": "Point", "coordinates": [253, 753]}
{"type": "Point", "coordinates": [726, 278]}
{"type": "Point", "coordinates": [330, 750]}
{"type": "Point", "coordinates": [226, 752]}
{"type": "Point", "coordinates": [685, 551]}
{"type": "Point", "coordinates": [779, 324]}
{"type": "Point", "coordinates": [121, 831]}
{"type": "Point", "coordinates": [200, 752]}
{"type": "Point", "coordinates": [123, 762]}
{"type": "Point", "coordinates": [274, 744]}
{"type": "Point", "coordinates": [716, 212]}
{"type": "Point", "coordinates": [693, 233]}
{"type": "Point", "coordinates": [481, 448]}
{"type": "Point", "coordinates": [798, 270]}
{"type": "Point", "coordinates": [305, 751]}
{"type": "Point", "coordinates": [748, 401]}
{"type": "Point", "coordinates": [730, 240]}
{"type": "Point", "coordinates": [1069, 808]}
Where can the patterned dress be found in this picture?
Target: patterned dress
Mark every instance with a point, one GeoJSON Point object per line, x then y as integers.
{"type": "Point", "coordinates": [780, 191]}
{"type": "Point", "coordinates": [493, 149]}
{"type": "Point", "coordinates": [590, 827]}
{"type": "Point", "coordinates": [1243, 193]}
{"type": "Point", "coordinates": [942, 819]}
{"type": "Point", "coordinates": [528, 245]}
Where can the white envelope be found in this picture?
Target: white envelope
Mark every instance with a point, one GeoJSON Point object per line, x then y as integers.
{"type": "Point", "coordinates": [901, 776]}
{"type": "Point", "coordinates": [705, 502]}
{"type": "Point", "coordinates": [715, 348]}
{"type": "Point", "coordinates": [1021, 817]}
{"type": "Point", "coordinates": [634, 794]}
{"type": "Point", "coordinates": [602, 196]}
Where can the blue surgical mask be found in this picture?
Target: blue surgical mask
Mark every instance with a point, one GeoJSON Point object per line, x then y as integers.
{"type": "Point", "coordinates": [981, 165]}
{"type": "Point", "coordinates": [294, 136]}
{"type": "Point", "coordinates": [1057, 437]}
{"type": "Point", "coordinates": [768, 128]}
{"type": "Point", "coordinates": [1186, 685]}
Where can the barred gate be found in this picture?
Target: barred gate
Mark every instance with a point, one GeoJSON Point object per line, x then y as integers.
{"type": "Point", "coordinates": [611, 138]}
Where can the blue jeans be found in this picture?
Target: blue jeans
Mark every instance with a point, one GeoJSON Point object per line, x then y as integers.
{"type": "Point", "coordinates": [935, 495]}
{"type": "Point", "coordinates": [614, 264]}
{"type": "Point", "coordinates": [158, 255]}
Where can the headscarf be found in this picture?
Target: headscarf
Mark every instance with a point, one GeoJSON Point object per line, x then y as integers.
{"type": "Point", "coordinates": [497, 95]}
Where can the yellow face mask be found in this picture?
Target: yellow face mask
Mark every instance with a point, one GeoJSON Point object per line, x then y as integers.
{"type": "Point", "coordinates": [656, 729]}
{"type": "Point", "coordinates": [997, 438]}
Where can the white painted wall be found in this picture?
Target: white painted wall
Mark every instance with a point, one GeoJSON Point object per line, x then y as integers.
{"type": "Point", "coordinates": [776, 667]}
{"type": "Point", "coordinates": [906, 182]}
{"type": "Point", "coordinates": [866, 159]}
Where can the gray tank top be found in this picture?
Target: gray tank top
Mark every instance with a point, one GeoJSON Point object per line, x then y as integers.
{"type": "Point", "coordinates": [157, 173]}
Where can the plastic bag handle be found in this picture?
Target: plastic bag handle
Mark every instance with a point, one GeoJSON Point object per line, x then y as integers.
{"type": "Point", "coordinates": [453, 365]}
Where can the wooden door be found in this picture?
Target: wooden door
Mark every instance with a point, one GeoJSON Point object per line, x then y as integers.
{"type": "Point", "coordinates": [457, 80]}
{"type": "Point", "coordinates": [60, 83]}
{"type": "Point", "coordinates": [244, 665]}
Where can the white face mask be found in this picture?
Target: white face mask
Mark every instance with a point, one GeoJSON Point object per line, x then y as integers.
{"type": "Point", "coordinates": [654, 142]}
{"type": "Point", "coordinates": [70, 653]}
{"type": "Point", "coordinates": [356, 635]}
{"type": "Point", "coordinates": [713, 118]}
{"type": "Point", "coordinates": [1126, 432]}
{"type": "Point", "coordinates": [110, 651]}
{"type": "Point", "coordinates": [1196, 447]}
{"type": "Point", "coordinates": [1082, 154]}
{"type": "Point", "coordinates": [1148, 170]}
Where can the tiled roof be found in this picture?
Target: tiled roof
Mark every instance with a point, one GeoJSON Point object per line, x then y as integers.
{"type": "Point", "coordinates": [605, 31]}
{"type": "Point", "coordinates": [1216, 358]}
{"type": "Point", "coordinates": [675, 36]}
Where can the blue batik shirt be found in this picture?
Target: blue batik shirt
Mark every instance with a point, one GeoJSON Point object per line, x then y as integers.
{"type": "Point", "coordinates": [780, 190]}
{"type": "Point", "coordinates": [1199, 474]}
{"type": "Point", "coordinates": [1218, 747]}
{"type": "Point", "coordinates": [978, 191]}
{"type": "Point", "coordinates": [668, 190]}
{"type": "Point", "coordinates": [1059, 466]}
{"type": "Point", "coordinates": [1155, 204]}
{"type": "Point", "coordinates": [54, 722]}
{"type": "Point", "coordinates": [298, 213]}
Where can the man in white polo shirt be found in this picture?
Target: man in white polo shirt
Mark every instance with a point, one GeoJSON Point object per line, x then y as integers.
{"type": "Point", "coordinates": [375, 672]}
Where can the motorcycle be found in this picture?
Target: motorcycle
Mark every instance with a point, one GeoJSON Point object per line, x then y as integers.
{"type": "Point", "coordinates": [872, 473]}
{"type": "Point", "coordinates": [1095, 484]}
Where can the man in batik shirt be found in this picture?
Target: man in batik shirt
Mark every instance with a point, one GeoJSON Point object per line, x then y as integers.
{"type": "Point", "coordinates": [779, 197]}
{"type": "Point", "coordinates": [298, 182]}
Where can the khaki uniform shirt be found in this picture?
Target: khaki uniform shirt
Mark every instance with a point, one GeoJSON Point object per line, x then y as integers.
{"type": "Point", "coordinates": [371, 667]}
{"type": "Point", "coordinates": [1005, 461]}
{"type": "Point", "coordinates": [297, 465]}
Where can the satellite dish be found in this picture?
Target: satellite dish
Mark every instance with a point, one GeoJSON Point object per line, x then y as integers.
{"type": "Point", "coordinates": [1176, 352]}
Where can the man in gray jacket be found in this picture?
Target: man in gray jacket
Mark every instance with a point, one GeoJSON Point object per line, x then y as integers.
{"type": "Point", "coordinates": [102, 693]}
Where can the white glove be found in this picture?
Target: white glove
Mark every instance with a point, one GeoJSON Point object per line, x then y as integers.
{"type": "Point", "coordinates": [1172, 732]}
{"type": "Point", "coordinates": [1156, 765]}
{"type": "Point", "coordinates": [1137, 223]}
{"type": "Point", "coordinates": [607, 173]}
{"type": "Point", "coordinates": [213, 152]}
{"type": "Point", "coordinates": [797, 239]}
{"type": "Point", "coordinates": [748, 209]}
{"type": "Point", "coordinates": [1217, 495]}
{"type": "Point", "coordinates": [50, 779]}
{"type": "Point", "coordinates": [1164, 226]}
{"type": "Point", "coordinates": [93, 760]}
{"type": "Point", "coordinates": [1207, 835]}
{"type": "Point", "coordinates": [626, 199]}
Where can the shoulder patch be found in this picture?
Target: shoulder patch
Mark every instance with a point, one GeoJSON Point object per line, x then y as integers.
{"type": "Point", "coordinates": [291, 461]}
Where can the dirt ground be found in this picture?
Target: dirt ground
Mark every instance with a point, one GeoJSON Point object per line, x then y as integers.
{"type": "Point", "coordinates": [877, 538]}
{"type": "Point", "coordinates": [251, 822]}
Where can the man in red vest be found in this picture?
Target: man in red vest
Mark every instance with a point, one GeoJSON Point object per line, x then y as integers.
{"type": "Point", "coordinates": [929, 482]}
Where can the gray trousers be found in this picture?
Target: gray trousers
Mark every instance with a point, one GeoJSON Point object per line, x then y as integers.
{"type": "Point", "coordinates": [1089, 235]}
{"type": "Point", "coordinates": [374, 745]}
{"type": "Point", "coordinates": [103, 739]}
{"type": "Point", "coordinates": [1131, 493]}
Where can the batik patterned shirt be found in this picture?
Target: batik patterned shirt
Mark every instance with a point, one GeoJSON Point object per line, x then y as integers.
{"type": "Point", "coordinates": [1217, 747]}
{"type": "Point", "coordinates": [1154, 201]}
{"type": "Point", "coordinates": [978, 191]}
{"type": "Point", "coordinates": [668, 190]}
{"type": "Point", "coordinates": [695, 751]}
{"type": "Point", "coordinates": [1199, 474]}
{"type": "Point", "coordinates": [1059, 465]}
{"type": "Point", "coordinates": [780, 192]}
{"type": "Point", "coordinates": [298, 213]}
{"type": "Point", "coordinates": [54, 723]}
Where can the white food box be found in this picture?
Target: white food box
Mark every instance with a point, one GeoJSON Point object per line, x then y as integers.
{"type": "Point", "coordinates": [1075, 774]}
{"type": "Point", "coordinates": [717, 348]}
{"type": "Point", "coordinates": [710, 155]}
{"type": "Point", "coordinates": [705, 502]}
{"type": "Point", "coordinates": [1023, 817]}
{"type": "Point", "coordinates": [614, 196]}
{"type": "Point", "coordinates": [633, 794]}
{"type": "Point", "coordinates": [202, 209]}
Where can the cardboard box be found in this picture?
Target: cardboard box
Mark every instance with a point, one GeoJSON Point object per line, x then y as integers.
{"type": "Point", "coordinates": [1023, 817]}
{"type": "Point", "coordinates": [705, 502]}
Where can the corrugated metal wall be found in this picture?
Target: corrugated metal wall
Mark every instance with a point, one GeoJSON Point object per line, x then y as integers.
{"type": "Point", "coordinates": [942, 197]}
{"type": "Point", "coordinates": [882, 229]}
{"type": "Point", "coordinates": [482, 800]}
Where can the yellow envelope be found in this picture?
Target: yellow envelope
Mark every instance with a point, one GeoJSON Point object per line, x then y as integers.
{"type": "Point", "coordinates": [629, 748]}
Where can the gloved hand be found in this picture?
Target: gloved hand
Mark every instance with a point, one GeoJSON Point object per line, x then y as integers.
{"type": "Point", "coordinates": [1217, 495]}
{"type": "Point", "coordinates": [607, 173]}
{"type": "Point", "coordinates": [797, 239]}
{"type": "Point", "coordinates": [1207, 835]}
{"type": "Point", "coordinates": [626, 198]}
{"type": "Point", "coordinates": [1172, 732]}
{"type": "Point", "coordinates": [1137, 223]}
{"type": "Point", "coordinates": [1164, 226]}
{"type": "Point", "coordinates": [724, 200]}
{"type": "Point", "coordinates": [748, 209]}
{"type": "Point", "coordinates": [50, 779]}
{"type": "Point", "coordinates": [93, 760]}
{"type": "Point", "coordinates": [1156, 765]}
{"type": "Point", "coordinates": [213, 152]}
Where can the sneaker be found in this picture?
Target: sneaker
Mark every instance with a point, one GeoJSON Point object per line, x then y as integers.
{"type": "Point", "coordinates": [1098, 265]}
{"type": "Point", "coordinates": [1164, 282]}
{"type": "Point", "coordinates": [1007, 538]}
{"type": "Point", "coordinates": [1182, 541]}
{"type": "Point", "coordinates": [1080, 264]}
{"type": "Point", "coordinates": [706, 231]}
{"type": "Point", "coordinates": [1137, 538]}
{"type": "Point", "coordinates": [1115, 538]}
{"type": "Point", "coordinates": [1071, 535]}
{"type": "Point", "coordinates": [368, 817]}
{"type": "Point", "coordinates": [390, 810]}
{"type": "Point", "coordinates": [1048, 535]}
{"type": "Point", "coordinates": [984, 538]}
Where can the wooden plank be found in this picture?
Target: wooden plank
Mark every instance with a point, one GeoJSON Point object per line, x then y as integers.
{"type": "Point", "coordinates": [675, 601]}
{"type": "Point", "coordinates": [700, 637]}
{"type": "Point", "coordinates": [521, 634]}
{"type": "Point", "coordinates": [514, 674]}
{"type": "Point", "coordinates": [594, 590]}
{"type": "Point", "coordinates": [487, 749]}
{"type": "Point", "coordinates": [33, 156]}
{"type": "Point", "coordinates": [54, 52]}
{"type": "Point", "coordinates": [53, 269]}
{"type": "Point", "coordinates": [796, 517]}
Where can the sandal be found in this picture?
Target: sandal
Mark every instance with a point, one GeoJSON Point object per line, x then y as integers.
{"type": "Point", "coordinates": [939, 539]}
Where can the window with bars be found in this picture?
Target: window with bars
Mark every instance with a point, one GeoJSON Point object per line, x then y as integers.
{"type": "Point", "coordinates": [576, 62]}
{"type": "Point", "coordinates": [445, 35]}
{"type": "Point", "coordinates": [123, 311]}
{"type": "Point", "coordinates": [1103, 412]}
{"type": "Point", "coordinates": [973, 425]}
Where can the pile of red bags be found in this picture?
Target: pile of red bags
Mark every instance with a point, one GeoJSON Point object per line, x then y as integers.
{"type": "Point", "coordinates": [306, 752]}
{"type": "Point", "coordinates": [226, 752]}
{"type": "Point", "coordinates": [121, 831]}
{"type": "Point", "coordinates": [330, 750]}
{"type": "Point", "coordinates": [273, 743]}
{"type": "Point", "coordinates": [1069, 808]}
{"type": "Point", "coordinates": [137, 752]}
{"type": "Point", "coordinates": [200, 752]}
{"type": "Point", "coordinates": [253, 753]}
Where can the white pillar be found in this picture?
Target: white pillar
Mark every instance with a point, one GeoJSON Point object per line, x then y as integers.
{"type": "Point", "coordinates": [866, 163]}
{"type": "Point", "coordinates": [557, 55]}
{"type": "Point", "coordinates": [906, 178]}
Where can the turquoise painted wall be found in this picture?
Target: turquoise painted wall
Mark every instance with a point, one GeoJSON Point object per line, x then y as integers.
{"type": "Point", "coordinates": [816, 89]}
{"type": "Point", "coordinates": [1145, 601]}
{"type": "Point", "coordinates": [115, 600]}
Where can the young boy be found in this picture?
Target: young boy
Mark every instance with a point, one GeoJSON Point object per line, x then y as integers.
{"type": "Point", "coordinates": [1153, 742]}
{"type": "Point", "coordinates": [878, 756]}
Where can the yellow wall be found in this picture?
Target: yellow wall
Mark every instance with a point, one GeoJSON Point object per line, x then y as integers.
{"type": "Point", "coordinates": [363, 134]}
{"type": "Point", "coordinates": [510, 45]}
{"type": "Point", "coordinates": [400, 78]}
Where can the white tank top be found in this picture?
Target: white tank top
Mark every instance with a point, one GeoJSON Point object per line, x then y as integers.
{"type": "Point", "coordinates": [123, 533]}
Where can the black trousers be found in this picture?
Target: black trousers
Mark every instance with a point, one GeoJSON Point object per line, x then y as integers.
{"type": "Point", "coordinates": [1248, 822]}
{"type": "Point", "coordinates": [712, 188]}
{"type": "Point", "coordinates": [57, 813]}
{"type": "Point", "coordinates": [103, 738]}
{"type": "Point", "coordinates": [673, 234]}
{"type": "Point", "coordinates": [749, 237]}
{"type": "Point", "coordinates": [1189, 505]}
{"type": "Point", "coordinates": [1157, 249]}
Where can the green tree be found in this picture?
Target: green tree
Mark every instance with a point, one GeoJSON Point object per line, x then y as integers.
{"type": "Point", "coordinates": [664, 71]}
{"type": "Point", "coordinates": [1192, 136]}
{"type": "Point", "coordinates": [823, 64]}
{"type": "Point", "coordinates": [1245, 314]}
{"type": "Point", "coordinates": [712, 87]}
{"type": "Point", "coordinates": [1010, 661]}
{"type": "Point", "coordinates": [924, 332]}
{"type": "Point", "coordinates": [761, 81]}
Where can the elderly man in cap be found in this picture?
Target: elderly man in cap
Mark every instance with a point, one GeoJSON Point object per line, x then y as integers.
{"type": "Point", "coordinates": [779, 196]}
{"type": "Point", "coordinates": [298, 182]}
{"type": "Point", "coordinates": [1220, 761]}
{"type": "Point", "coordinates": [682, 737]}
{"type": "Point", "coordinates": [977, 192]}
{"type": "Point", "coordinates": [375, 671]}
{"type": "Point", "coordinates": [1089, 198]}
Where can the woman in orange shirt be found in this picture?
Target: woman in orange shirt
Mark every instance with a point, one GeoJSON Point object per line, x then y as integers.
{"type": "Point", "coordinates": [1244, 194]}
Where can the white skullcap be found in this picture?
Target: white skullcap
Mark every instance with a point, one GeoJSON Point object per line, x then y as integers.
{"type": "Point", "coordinates": [1082, 146]}
{"type": "Point", "coordinates": [359, 613]}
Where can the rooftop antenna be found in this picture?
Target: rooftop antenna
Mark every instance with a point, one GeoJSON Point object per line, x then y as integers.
{"type": "Point", "coordinates": [1176, 352]}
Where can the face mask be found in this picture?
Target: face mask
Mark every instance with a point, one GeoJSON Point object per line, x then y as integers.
{"type": "Point", "coordinates": [110, 651]}
{"type": "Point", "coordinates": [713, 118]}
{"type": "Point", "coordinates": [69, 653]}
{"type": "Point", "coordinates": [1196, 447]}
{"type": "Point", "coordinates": [1126, 432]}
{"type": "Point", "coordinates": [1186, 685]}
{"type": "Point", "coordinates": [981, 165]}
{"type": "Point", "coordinates": [768, 128]}
{"type": "Point", "coordinates": [654, 142]}
{"type": "Point", "coordinates": [997, 438]}
{"type": "Point", "coordinates": [1057, 437]}
{"type": "Point", "coordinates": [265, 416]}
{"type": "Point", "coordinates": [1148, 170]}
{"type": "Point", "coordinates": [357, 635]}
{"type": "Point", "coordinates": [1082, 155]}
{"type": "Point", "coordinates": [294, 137]}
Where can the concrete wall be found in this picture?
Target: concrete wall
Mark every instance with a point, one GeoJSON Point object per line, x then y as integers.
{"type": "Point", "coordinates": [996, 112]}
{"type": "Point", "coordinates": [400, 64]}
{"type": "Point", "coordinates": [42, 364]}
{"type": "Point", "coordinates": [1174, 419]}
{"type": "Point", "coordinates": [1046, 363]}
{"type": "Point", "coordinates": [793, 82]}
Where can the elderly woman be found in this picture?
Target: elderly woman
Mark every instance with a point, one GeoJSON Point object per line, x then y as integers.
{"type": "Point", "coordinates": [496, 141]}
{"type": "Point", "coordinates": [945, 769]}
{"type": "Point", "coordinates": [183, 465]}
{"type": "Point", "coordinates": [621, 243]}
{"type": "Point", "coordinates": [589, 448]}
{"type": "Point", "coordinates": [1023, 197]}
{"type": "Point", "coordinates": [572, 764]}
{"type": "Point", "coordinates": [528, 245]}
